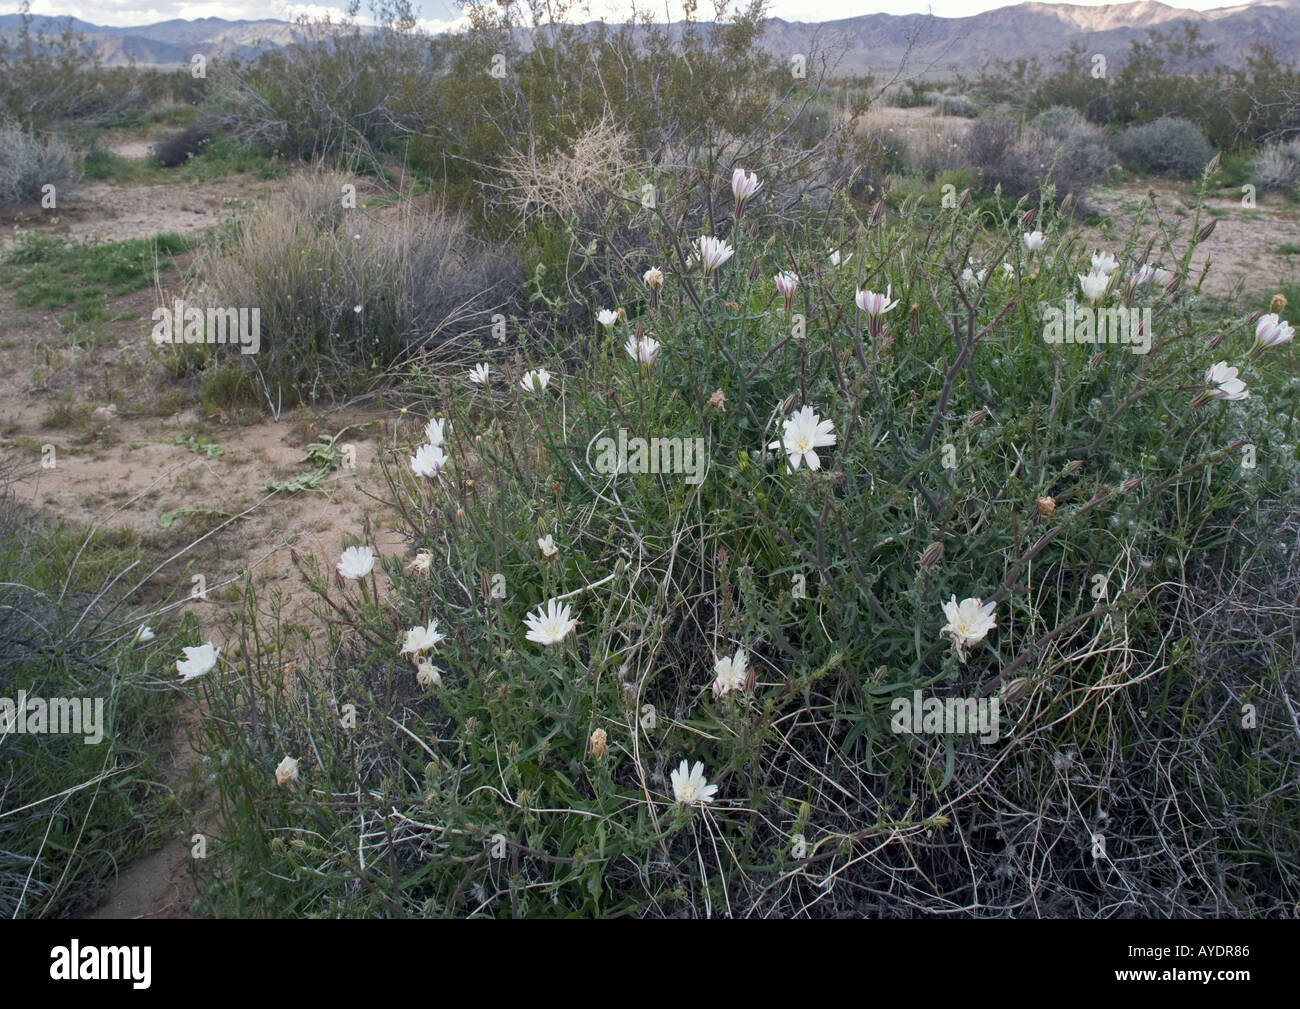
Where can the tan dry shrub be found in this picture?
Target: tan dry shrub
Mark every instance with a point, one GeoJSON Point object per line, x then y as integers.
{"type": "Point", "coordinates": [566, 182]}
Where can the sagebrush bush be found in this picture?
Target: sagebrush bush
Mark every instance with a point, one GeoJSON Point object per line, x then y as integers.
{"type": "Point", "coordinates": [28, 163]}
{"type": "Point", "coordinates": [452, 743]}
{"type": "Point", "coordinates": [1022, 159]}
{"type": "Point", "coordinates": [913, 96]}
{"type": "Point", "coordinates": [1277, 167]}
{"type": "Point", "coordinates": [1060, 121]}
{"type": "Point", "coordinates": [957, 105]}
{"type": "Point", "coordinates": [347, 294]}
{"type": "Point", "coordinates": [1168, 146]}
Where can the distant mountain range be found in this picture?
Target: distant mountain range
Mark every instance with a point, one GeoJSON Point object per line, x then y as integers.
{"type": "Point", "coordinates": [871, 42]}
{"type": "Point", "coordinates": [167, 43]}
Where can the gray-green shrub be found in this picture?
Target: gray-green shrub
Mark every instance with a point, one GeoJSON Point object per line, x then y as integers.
{"type": "Point", "coordinates": [28, 163]}
{"type": "Point", "coordinates": [1168, 146]}
{"type": "Point", "coordinates": [1022, 159]}
{"type": "Point", "coordinates": [1277, 167]}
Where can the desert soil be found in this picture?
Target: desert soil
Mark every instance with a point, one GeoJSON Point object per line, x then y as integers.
{"type": "Point", "coordinates": [121, 466]}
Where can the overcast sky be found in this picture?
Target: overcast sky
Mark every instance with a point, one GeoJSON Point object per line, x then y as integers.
{"type": "Point", "coordinates": [439, 13]}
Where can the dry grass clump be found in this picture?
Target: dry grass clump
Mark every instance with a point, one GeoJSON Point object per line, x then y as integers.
{"type": "Point", "coordinates": [346, 293]}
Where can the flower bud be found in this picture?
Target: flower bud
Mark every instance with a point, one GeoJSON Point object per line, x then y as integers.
{"type": "Point", "coordinates": [1208, 230]}
{"type": "Point", "coordinates": [933, 553]}
{"type": "Point", "coordinates": [1015, 690]}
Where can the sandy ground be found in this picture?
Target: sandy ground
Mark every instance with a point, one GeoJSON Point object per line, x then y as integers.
{"type": "Point", "coordinates": [123, 468]}
{"type": "Point", "coordinates": [1244, 252]}
{"type": "Point", "coordinates": [142, 476]}
{"type": "Point", "coordinates": [107, 212]}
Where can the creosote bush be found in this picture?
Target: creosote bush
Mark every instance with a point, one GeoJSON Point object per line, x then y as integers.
{"type": "Point", "coordinates": [660, 601]}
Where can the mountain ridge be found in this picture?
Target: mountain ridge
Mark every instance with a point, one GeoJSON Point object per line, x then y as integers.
{"type": "Point", "coordinates": [869, 42]}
